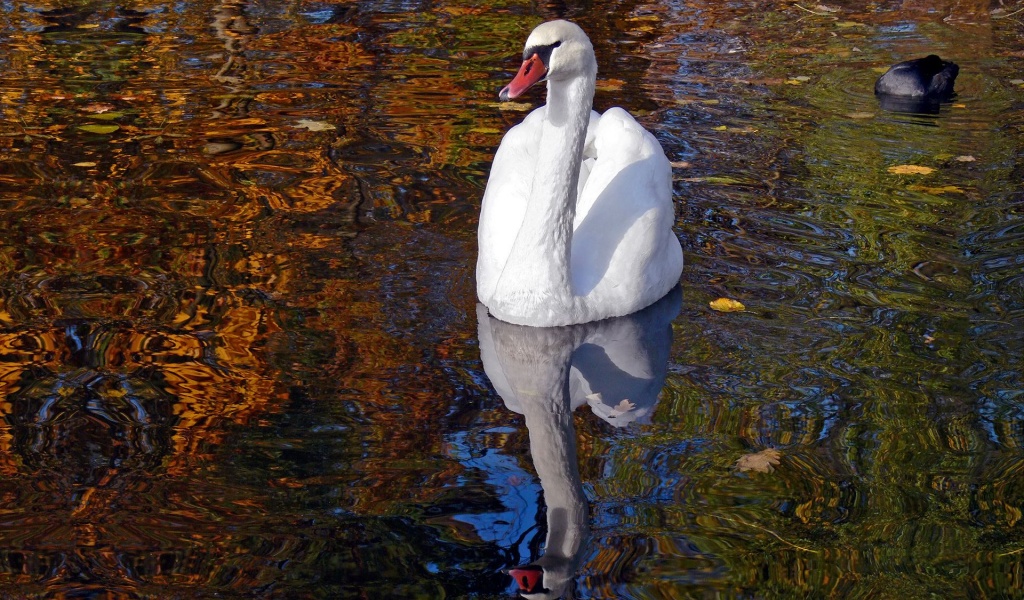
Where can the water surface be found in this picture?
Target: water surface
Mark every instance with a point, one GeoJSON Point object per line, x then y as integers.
{"type": "Point", "coordinates": [242, 357]}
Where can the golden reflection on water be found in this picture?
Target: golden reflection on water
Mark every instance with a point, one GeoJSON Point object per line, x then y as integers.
{"type": "Point", "coordinates": [167, 204]}
{"type": "Point", "coordinates": [140, 290]}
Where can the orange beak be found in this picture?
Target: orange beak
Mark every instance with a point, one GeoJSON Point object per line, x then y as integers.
{"type": "Point", "coordinates": [529, 578]}
{"type": "Point", "coordinates": [532, 71]}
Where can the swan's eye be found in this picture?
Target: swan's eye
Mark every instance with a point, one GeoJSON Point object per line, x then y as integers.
{"type": "Point", "coordinates": [542, 52]}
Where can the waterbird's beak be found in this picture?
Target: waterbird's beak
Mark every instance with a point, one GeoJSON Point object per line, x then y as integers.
{"type": "Point", "coordinates": [532, 71]}
{"type": "Point", "coordinates": [529, 578]}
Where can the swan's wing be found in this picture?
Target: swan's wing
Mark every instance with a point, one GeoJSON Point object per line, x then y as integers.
{"type": "Point", "coordinates": [623, 244]}
{"type": "Point", "coordinates": [616, 142]}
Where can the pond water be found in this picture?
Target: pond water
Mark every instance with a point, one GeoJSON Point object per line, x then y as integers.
{"type": "Point", "coordinates": [242, 356]}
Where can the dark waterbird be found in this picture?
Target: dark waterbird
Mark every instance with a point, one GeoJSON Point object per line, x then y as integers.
{"type": "Point", "coordinates": [918, 85]}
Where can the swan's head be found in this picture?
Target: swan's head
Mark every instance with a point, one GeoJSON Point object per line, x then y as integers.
{"type": "Point", "coordinates": [554, 51]}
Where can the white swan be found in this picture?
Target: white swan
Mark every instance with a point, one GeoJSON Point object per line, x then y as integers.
{"type": "Point", "coordinates": [576, 221]}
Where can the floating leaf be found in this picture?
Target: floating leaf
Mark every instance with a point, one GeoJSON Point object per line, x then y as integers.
{"type": "Point", "coordinates": [793, 82]}
{"type": "Point", "coordinates": [860, 115]}
{"type": "Point", "coordinates": [764, 461]}
{"type": "Point", "coordinates": [97, 128]}
{"type": "Point", "coordinates": [965, 158]}
{"type": "Point", "coordinates": [1017, 81]}
{"type": "Point", "coordinates": [315, 125]}
{"type": "Point", "coordinates": [802, 78]}
{"type": "Point", "coordinates": [721, 128]}
{"type": "Point", "coordinates": [726, 305]}
{"type": "Point", "coordinates": [680, 164]}
{"type": "Point", "coordinates": [910, 170]}
{"type": "Point", "coordinates": [624, 406]}
{"type": "Point", "coordinates": [84, 164]}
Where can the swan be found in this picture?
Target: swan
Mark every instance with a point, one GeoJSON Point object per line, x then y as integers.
{"type": "Point", "coordinates": [576, 219]}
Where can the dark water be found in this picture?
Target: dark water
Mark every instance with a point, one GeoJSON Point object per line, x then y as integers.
{"type": "Point", "coordinates": [240, 354]}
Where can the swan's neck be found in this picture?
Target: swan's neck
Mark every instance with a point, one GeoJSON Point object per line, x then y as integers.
{"type": "Point", "coordinates": [537, 273]}
{"type": "Point", "coordinates": [553, 446]}
{"type": "Point", "coordinates": [539, 376]}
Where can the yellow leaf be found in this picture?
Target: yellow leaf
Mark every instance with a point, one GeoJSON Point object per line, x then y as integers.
{"type": "Point", "coordinates": [910, 170]}
{"type": "Point", "coordinates": [726, 305]}
{"type": "Point", "coordinates": [88, 163]}
{"type": "Point", "coordinates": [720, 128]}
{"type": "Point", "coordinates": [97, 128]}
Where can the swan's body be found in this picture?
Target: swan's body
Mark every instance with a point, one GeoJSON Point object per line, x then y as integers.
{"type": "Point", "coordinates": [576, 221]}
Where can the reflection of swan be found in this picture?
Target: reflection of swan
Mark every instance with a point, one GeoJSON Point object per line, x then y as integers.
{"type": "Point", "coordinates": [618, 366]}
{"type": "Point", "coordinates": [576, 221]}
